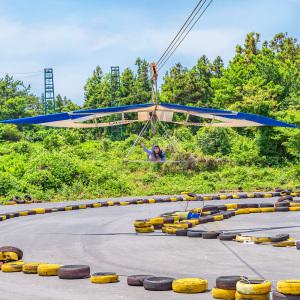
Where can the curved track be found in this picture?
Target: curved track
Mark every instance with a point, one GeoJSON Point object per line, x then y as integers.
{"type": "Point", "coordinates": [104, 238]}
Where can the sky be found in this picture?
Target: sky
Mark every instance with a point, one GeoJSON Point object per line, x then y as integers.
{"type": "Point", "coordinates": [74, 36]}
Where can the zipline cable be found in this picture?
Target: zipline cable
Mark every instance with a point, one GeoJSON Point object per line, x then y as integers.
{"type": "Point", "coordinates": [193, 25]}
{"type": "Point", "coordinates": [183, 28]}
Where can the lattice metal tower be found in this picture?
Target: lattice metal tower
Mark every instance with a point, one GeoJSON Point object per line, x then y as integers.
{"type": "Point", "coordinates": [115, 131]}
{"type": "Point", "coordinates": [49, 96]}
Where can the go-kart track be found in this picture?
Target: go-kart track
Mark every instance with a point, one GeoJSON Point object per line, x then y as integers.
{"type": "Point", "coordinates": [105, 240]}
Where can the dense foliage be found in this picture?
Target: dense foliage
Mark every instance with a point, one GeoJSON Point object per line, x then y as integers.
{"type": "Point", "coordinates": [56, 164]}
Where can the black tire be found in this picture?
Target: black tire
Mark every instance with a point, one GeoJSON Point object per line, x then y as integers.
{"type": "Point", "coordinates": [181, 232]}
{"type": "Point", "coordinates": [74, 272]}
{"type": "Point", "coordinates": [275, 194]}
{"type": "Point", "coordinates": [215, 197]}
{"type": "Point", "coordinates": [227, 236]}
{"type": "Point", "coordinates": [137, 280]}
{"type": "Point", "coordinates": [243, 196]}
{"type": "Point", "coordinates": [210, 235]}
{"type": "Point", "coordinates": [266, 205]}
{"type": "Point", "coordinates": [210, 208]}
{"type": "Point", "coordinates": [284, 203]}
{"type": "Point", "coordinates": [228, 282]}
{"type": "Point", "coordinates": [16, 250]}
{"type": "Point", "coordinates": [242, 205]}
{"type": "Point", "coordinates": [298, 245]}
{"type": "Point", "coordinates": [279, 296]}
{"type": "Point", "coordinates": [222, 207]}
{"type": "Point", "coordinates": [280, 238]}
{"type": "Point", "coordinates": [48, 210]}
{"type": "Point", "coordinates": [202, 220]}
{"type": "Point", "coordinates": [258, 195]}
{"type": "Point", "coordinates": [281, 209]}
{"type": "Point", "coordinates": [31, 212]}
{"type": "Point", "coordinates": [158, 283]}
{"type": "Point", "coordinates": [253, 205]}
{"type": "Point", "coordinates": [195, 233]}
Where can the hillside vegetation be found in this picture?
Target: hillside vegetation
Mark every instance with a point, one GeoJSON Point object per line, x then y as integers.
{"type": "Point", "coordinates": [60, 164]}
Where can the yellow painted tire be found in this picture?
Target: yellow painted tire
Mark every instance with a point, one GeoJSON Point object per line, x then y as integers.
{"type": "Point", "coordinates": [267, 209]}
{"type": "Point", "coordinates": [144, 229]}
{"type": "Point", "coordinates": [23, 213]}
{"type": "Point", "coordinates": [170, 230]}
{"type": "Point", "coordinates": [231, 205]}
{"type": "Point", "coordinates": [10, 256]}
{"type": "Point", "coordinates": [137, 202]}
{"type": "Point", "coordinates": [242, 239]}
{"type": "Point", "coordinates": [235, 196]}
{"type": "Point", "coordinates": [173, 199]}
{"type": "Point", "coordinates": [100, 279]}
{"type": "Point", "coordinates": [142, 223]}
{"type": "Point", "coordinates": [289, 287]}
{"type": "Point", "coordinates": [223, 197]}
{"type": "Point", "coordinates": [157, 221]}
{"type": "Point", "coordinates": [182, 214]}
{"type": "Point", "coordinates": [151, 201]}
{"type": "Point", "coordinates": [218, 218]}
{"type": "Point", "coordinates": [223, 294]}
{"type": "Point", "coordinates": [95, 205]}
{"type": "Point", "coordinates": [194, 222]}
{"type": "Point", "coordinates": [268, 195]}
{"type": "Point", "coordinates": [258, 288]}
{"type": "Point", "coordinates": [294, 208]}
{"type": "Point", "coordinates": [179, 225]}
{"type": "Point", "coordinates": [288, 243]}
{"type": "Point", "coordinates": [39, 210]}
{"type": "Point", "coordinates": [197, 210]}
{"type": "Point", "coordinates": [242, 211]}
{"type": "Point", "coordinates": [48, 269]}
{"type": "Point", "coordinates": [260, 240]}
{"type": "Point", "coordinates": [207, 198]}
{"type": "Point", "coordinates": [254, 210]}
{"type": "Point", "coordinates": [82, 206]}
{"type": "Point", "coordinates": [189, 285]}
{"type": "Point", "coordinates": [239, 296]}
{"type": "Point", "coordinates": [250, 195]}
{"type": "Point", "coordinates": [31, 268]}
{"type": "Point", "coordinates": [292, 204]}
{"type": "Point", "coordinates": [295, 194]}
{"type": "Point", "coordinates": [12, 267]}
{"type": "Point", "coordinates": [67, 208]}
{"type": "Point", "coordinates": [11, 203]}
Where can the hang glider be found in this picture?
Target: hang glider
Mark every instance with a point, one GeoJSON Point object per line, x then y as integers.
{"type": "Point", "coordinates": [164, 112]}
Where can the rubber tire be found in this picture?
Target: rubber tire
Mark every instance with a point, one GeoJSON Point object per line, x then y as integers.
{"type": "Point", "coordinates": [284, 203]}
{"type": "Point", "coordinates": [242, 205]}
{"type": "Point", "coordinates": [137, 280]}
{"type": "Point", "coordinates": [158, 283]}
{"type": "Point", "coordinates": [18, 251]}
{"type": "Point", "coordinates": [228, 282]}
{"type": "Point", "coordinates": [195, 233]}
{"type": "Point", "coordinates": [281, 209]}
{"type": "Point", "coordinates": [74, 272]}
{"type": "Point", "coordinates": [298, 245]}
{"type": "Point", "coordinates": [227, 236]}
{"type": "Point", "coordinates": [279, 296]}
{"type": "Point", "coordinates": [252, 205]}
{"type": "Point", "coordinates": [280, 238]}
{"type": "Point", "coordinates": [266, 205]}
{"type": "Point", "coordinates": [181, 232]}
{"type": "Point", "coordinates": [210, 208]}
{"type": "Point", "coordinates": [210, 235]}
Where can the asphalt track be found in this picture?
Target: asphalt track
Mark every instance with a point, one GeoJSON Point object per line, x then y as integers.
{"type": "Point", "coordinates": [104, 238]}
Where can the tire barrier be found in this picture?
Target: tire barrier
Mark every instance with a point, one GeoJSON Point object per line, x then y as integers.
{"type": "Point", "coordinates": [253, 289]}
{"type": "Point", "coordinates": [12, 267]}
{"type": "Point", "coordinates": [223, 294]}
{"type": "Point", "coordinates": [286, 194]}
{"type": "Point", "coordinates": [104, 277]}
{"type": "Point", "coordinates": [74, 272]}
{"type": "Point", "coordinates": [158, 283]}
{"type": "Point", "coordinates": [190, 285]}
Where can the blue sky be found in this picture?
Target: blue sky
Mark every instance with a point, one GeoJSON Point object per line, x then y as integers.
{"type": "Point", "coordinates": [73, 36]}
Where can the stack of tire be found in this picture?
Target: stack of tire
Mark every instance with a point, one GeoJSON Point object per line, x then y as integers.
{"type": "Point", "coordinates": [258, 289]}
{"type": "Point", "coordinates": [10, 258]}
{"type": "Point", "coordinates": [226, 287]}
{"type": "Point", "coordinates": [287, 290]}
{"type": "Point", "coordinates": [143, 226]}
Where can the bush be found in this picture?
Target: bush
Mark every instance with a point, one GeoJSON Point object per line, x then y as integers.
{"type": "Point", "coordinates": [10, 133]}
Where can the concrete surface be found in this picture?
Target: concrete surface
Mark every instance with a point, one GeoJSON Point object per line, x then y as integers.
{"type": "Point", "coordinates": [104, 238]}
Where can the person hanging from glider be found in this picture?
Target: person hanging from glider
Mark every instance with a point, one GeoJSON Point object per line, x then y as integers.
{"type": "Point", "coordinates": [155, 154]}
